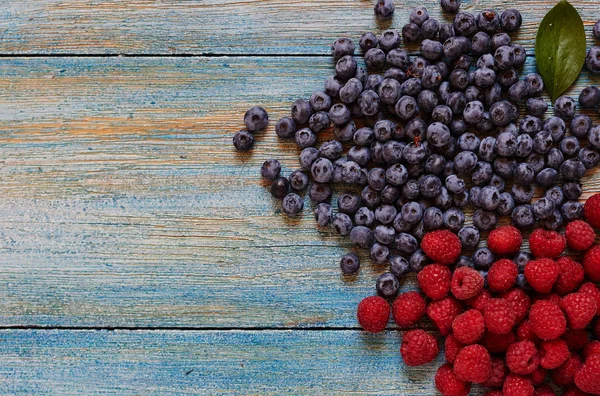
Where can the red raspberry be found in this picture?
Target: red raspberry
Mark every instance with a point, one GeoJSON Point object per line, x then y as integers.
{"type": "Point", "coordinates": [473, 364]}
{"type": "Point", "coordinates": [591, 210]}
{"type": "Point", "coordinates": [522, 357]}
{"type": "Point", "coordinates": [498, 343]}
{"type": "Point", "coordinates": [499, 317]}
{"type": "Point", "coordinates": [580, 235]}
{"type": "Point", "coordinates": [497, 374]}
{"type": "Point", "coordinates": [480, 301]}
{"type": "Point", "coordinates": [592, 348]}
{"type": "Point", "coordinates": [546, 243]}
{"type": "Point", "coordinates": [468, 327]}
{"type": "Point", "coordinates": [441, 246]}
{"type": "Point", "coordinates": [519, 301]}
{"type": "Point", "coordinates": [434, 281]}
{"type": "Point", "coordinates": [552, 297]}
{"type": "Point", "coordinates": [538, 376]}
{"type": "Point", "coordinates": [547, 320]}
{"type": "Point", "coordinates": [466, 283]}
{"type": "Point", "coordinates": [576, 339]}
{"type": "Point", "coordinates": [524, 332]}
{"type": "Point", "coordinates": [570, 277]}
{"type": "Point", "coordinates": [591, 263]}
{"type": "Point", "coordinates": [516, 385]}
{"type": "Point", "coordinates": [565, 374]}
{"type": "Point", "coordinates": [580, 309]}
{"type": "Point", "coordinates": [451, 348]}
{"type": "Point", "coordinates": [553, 353]}
{"type": "Point", "coordinates": [418, 348]}
{"type": "Point", "coordinates": [542, 274]}
{"type": "Point", "coordinates": [544, 390]}
{"type": "Point", "coordinates": [587, 377]}
{"type": "Point", "coordinates": [505, 240]}
{"type": "Point", "coordinates": [373, 314]}
{"type": "Point", "coordinates": [592, 290]}
{"type": "Point", "coordinates": [443, 312]}
{"type": "Point", "coordinates": [502, 275]}
{"type": "Point", "coordinates": [408, 308]}
{"type": "Point", "coordinates": [448, 384]}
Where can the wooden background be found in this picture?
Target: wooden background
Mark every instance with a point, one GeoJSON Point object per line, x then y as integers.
{"type": "Point", "coordinates": [140, 254]}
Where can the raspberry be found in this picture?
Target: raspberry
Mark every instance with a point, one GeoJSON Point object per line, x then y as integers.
{"type": "Point", "coordinates": [408, 308]}
{"type": "Point", "coordinates": [580, 309]}
{"type": "Point", "coordinates": [441, 246]}
{"type": "Point", "coordinates": [373, 314]}
{"type": "Point", "coordinates": [544, 390]}
{"type": "Point", "coordinates": [592, 290]}
{"type": "Point", "coordinates": [564, 375]}
{"type": "Point", "coordinates": [592, 348]}
{"type": "Point", "coordinates": [468, 327]}
{"type": "Point", "coordinates": [434, 281]}
{"type": "Point", "coordinates": [552, 297]}
{"type": "Point", "coordinates": [519, 302]}
{"type": "Point", "coordinates": [418, 348]}
{"type": "Point", "coordinates": [542, 274]}
{"type": "Point", "coordinates": [498, 343]}
{"type": "Point", "coordinates": [502, 275]}
{"type": "Point", "coordinates": [448, 384]}
{"type": "Point", "coordinates": [522, 357]}
{"type": "Point", "coordinates": [574, 391]}
{"type": "Point", "coordinates": [443, 312]}
{"type": "Point", "coordinates": [499, 317]}
{"type": "Point", "coordinates": [591, 263]}
{"type": "Point", "coordinates": [497, 374]}
{"type": "Point", "coordinates": [524, 332]}
{"type": "Point", "coordinates": [547, 320]}
{"type": "Point", "coordinates": [505, 240]}
{"type": "Point", "coordinates": [538, 376]}
{"type": "Point", "coordinates": [546, 243]}
{"type": "Point", "coordinates": [580, 235]}
{"type": "Point", "coordinates": [587, 377]}
{"type": "Point", "coordinates": [553, 353]}
{"type": "Point", "coordinates": [466, 283]}
{"type": "Point", "coordinates": [473, 364]}
{"type": "Point", "coordinates": [576, 339]}
{"type": "Point", "coordinates": [480, 301]}
{"type": "Point", "coordinates": [451, 348]}
{"type": "Point", "coordinates": [591, 210]}
{"type": "Point", "coordinates": [570, 276]}
{"type": "Point", "coordinates": [516, 385]}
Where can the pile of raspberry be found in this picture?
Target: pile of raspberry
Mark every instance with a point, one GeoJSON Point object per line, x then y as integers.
{"type": "Point", "coordinates": [534, 337]}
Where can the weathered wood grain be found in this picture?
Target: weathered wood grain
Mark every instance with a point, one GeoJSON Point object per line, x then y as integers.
{"type": "Point", "coordinates": [124, 203]}
{"type": "Point", "coordinates": [224, 27]}
{"type": "Point", "coordinates": [208, 362]}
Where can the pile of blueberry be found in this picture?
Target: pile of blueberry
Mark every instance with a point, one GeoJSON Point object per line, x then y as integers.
{"type": "Point", "coordinates": [420, 138]}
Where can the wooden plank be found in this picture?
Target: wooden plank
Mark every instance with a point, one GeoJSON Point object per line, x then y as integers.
{"type": "Point", "coordinates": [227, 27]}
{"type": "Point", "coordinates": [208, 362]}
{"type": "Point", "coordinates": [124, 203]}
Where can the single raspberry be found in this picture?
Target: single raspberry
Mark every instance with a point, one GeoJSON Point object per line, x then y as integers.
{"type": "Point", "coordinates": [576, 339]}
{"type": "Point", "coordinates": [574, 391]}
{"type": "Point", "coordinates": [516, 385]}
{"type": "Point", "coordinates": [498, 343]}
{"type": "Point", "coordinates": [498, 372]}
{"type": "Point", "coordinates": [538, 376]}
{"type": "Point", "coordinates": [580, 309]}
{"type": "Point", "coordinates": [408, 308]}
{"type": "Point", "coordinates": [473, 364]}
{"type": "Point", "coordinates": [522, 357]}
{"type": "Point", "coordinates": [519, 301]}
{"type": "Point", "coordinates": [466, 283]}
{"type": "Point", "coordinates": [542, 274]}
{"type": "Point", "coordinates": [480, 301]}
{"type": "Point", "coordinates": [546, 243]}
{"type": "Point", "coordinates": [448, 384]}
{"type": "Point", "coordinates": [443, 312]}
{"type": "Point", "coordinates": [591, 210]}
{"type": "Point", "coordinates": [505, 240]}
{"type": "Point", "coordinates": [547, 320]}
{"type": "Point", "coordinates": [502, 275]}
{"type": "Point", "coordinates": [592, 348]}
{"type": "Point", "coordinates": [580, 235]}
{"type": "Point", "coordinates": [451, 348]}
{"type": "Point", "coordinates": [587, 377]}
{"type": "Point", "coordinates": [570, 277]}
{"type": "Point", "coordinates": [592, 290]}
{"type": "Point", "coordinates": [499, 317]}
{"type": "Point", "coordinates": [565, 374]}
{"type": "Point", "coordinates": [468, 327]}
{"type": "Point", "coordinates": [418, 347]}
{"type": "Point", "coordinates": [373, 314]}
{"type": "Point", "coordinates": [544, 390]}
{"type": "Point", "coordinates": [591, 263]}
{"type": "Point", "coordinates": [441, 246]}
{"type": "Point", "coordinates": [553, 353]}
{"type": "Point", "coordinates": [434, 281]}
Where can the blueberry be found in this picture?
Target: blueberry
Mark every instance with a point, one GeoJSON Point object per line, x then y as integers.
{"type": "Point", "coordinates": [361, 74]}
{"type": "Point", "coordinates": [592, 60]}
{"type": "Point", "coordinates": [535, 84]}
{"type": "Point", "coordinates": [256, 118]}
{"type": "Point", "coordinates": [572, 169]}
{"type": "Point", "coordinates": [270, 169]}
{"type": "Point", "coordinates": [554, 221]}
{"type": "Point", "coordinates": [431, 78]}
{"type": "Point", "coordinates": [465, 162]}
{"type": "Point", "coordinates": [430, 28]}
{"type": "Point", "coordinates": [442, 114]}
{"type": "Point", "coordinates": [351, 91]}
{"type": "Point", "coordinates": [481, 43]}
{"type": "Point", "coordinates": [446, 31]}
{"type": "Point", "coordinates": [554, 158]}
{"type": "Point", "coordinates": [542, 142]}
{"type": "Point", "coordinates": [360, 155]}
{"type": "Point", "coordinates": [486, 60]}
{"type": "Point", "coordinates": [454, 46]}
{"type": "Point", "coordinates": [322, 170]}
{"type": "Point", "coordinates": [387, 285]}
{"type": "Point", "coordinates": [411, 33]}
{"type": "Point", "coordinates": [564, 107]}
{"type": "Point", "coordinates": [473, 112]}
{"type": "Point", "coordinates": [396, 174]}
{"type": "Point", "coordinates": [342, 46]}
{"type": "Point", "coordinates": [406, 243]}
{"type": "Point", "coordinates": [389, 91]}
{"type": "Point", "coordinates": [493, 94]}
{"type": "Point", "coordinates": [556, 195]}
{"type": "Point", "coordinates": [398, 266]}
{"type": "Point", "coordinates": [464, 24]}
{"type": "Point", "coordinates": [580, 126]}
{"type": "Point", "coordinates": [569, 146]}
{"type": "Point", "coordinates": [280, 187]}
{"type": "Point", "coordinates": [433, 218]}
{"type": "Point", "coordinates": [594, 136]}
{"type": "Point", "coordinates": [524, 145]}
{"type": "Point", "coordinates": [455, 184]}
{"type": "Point", "coordinates": [373, 82]}
{"type": "Point", "coordinates": [482, 173]}
{"type": "Point", "coordinates": [379, 253]}
{"type": "Point", "coordinates": [451, 6]}
{"type": "Point", "coordinates": [502, 113]}
{"type": "Point", "coordinates": [589, 98]}
{"type": "Point", "coordinates": [483, 258]}
{"type": "Point", "coordinates": [537, 106]}
{"type": "Point", "coordinates": [589, 157]}
{"type": "Point", "coordinates": [389, 40]}
{"type": "Point", "coordinates": [285, 128]}
{"type": "Point", "coordinates": [411, 212]}
{"type": "Point", "coordinates": [298, 180]}
{"type": "Point", "coordinates": [461, 200]}
{"type": "Point", "coordinates": [410, 190]}
{"type": "Point", "coordinates": [301, 111]}
{"type": "Point", "coordinates": [401, 225]}
{"type": "Point", "coordinates": [537, 161]}
{"type": "Point", "coordinates": [543, 208]}
{"type": "Point", "coordinates": [547, 177]}
{"type": "Point", "coordinates": [430, 186]}
{"type": "Point", "coordinates": [504, 166]}
{"type": "Point", "coordinates": [499, 40]}
{"type": "Point", "coordinates": [506, 144]}
{"type": "Point", "coordinates": [511, 20]}
{"type": "Point", "coordinates": [349, 263]}
{"type": "Point", "coordinates": [411, 87]}
{"type": "Point", "coordinates": [489, 198]}
{"type": "Point", "coordinates": [434, 164]}
{"type": "Point", "coordinates": [305, 138]}
{"type": "Point", "coordinates": [349, 203]}
{"type": "Point", "coordinates": [454, 219]}
{"type": "Point", "coordinates": [469, 237]}
{"type": "Point", "coordinates": [362, 236]}
{"type": "Point", "coordinates": [384, 8]}
{"type": "Point", "coordinates": [530, 125]}
{"type": "Point", "coordinates": [418, 15]}
{"type": "Point", "coordinates": [469, 142]}
{"type": "Point", "coordinates": [556, 126]}
{"type": "Point", "coordinates": [342, 223]}
{"type": "Point", "coordinates": [418, 260]}
{"type": "Point", "coordinates": [522, 194]}
{"type": "Point", "coordinates": [464, 261]}
{"type": "Point", "coordinates": [507, 78]}
{"type": "Point", "coordinates": [521, 259]}
{"type": "Point", "coordinates": [323, 214]}
{"type": "Point", "coordinates": [522, 282]}
{"type": "Point", "coordinates": [432, 50]}
{"type": "Point", "coordinates": [487, 149]}
{"type": "Point", "coordinates": [523, 217]}
{"type": "Point", "coordinates": [524, 174]}
{"type": "Point", "coordinates": [375, 58]}
{"type": "Point", "coordinates": [390, 194]}
{"type": "Point", "coordinates": [243, 141]}
{"type": "Point", "coordinates": [506, 204]}
{"type": "Point", "coordinates": [572, 210]}
{"type": "Point", "coordinates": [364, 216]}
{"type": "Point", "coordinates": [319, 192]}
{"type": "Point", "coordinates": [385, 214]}
{"type": "Point", "coordinates": [370, 198]}
{"type": "Point", "coordinates": [384, 234]}
{"type": "Point", "coordinates": [292, 204]}
{"type": "Point", "coordinates": [319, 121]}
{"type": "Point", "coordinates": [345, 67]}
{"type": "Point", "coordinates": [340, 115]}
{"type": "Point", "coordinates": [367, 41]}
{"type": "Point", "coordinates": [505, 57]}
{"type": "Point", "coordinates": [456, 102]}
{"type": "Point", "coordinates": [488, 21]}
{"type": "Point", "coordinates": [458, 126]}
{"type": "Point", "coordinates": [485, 77]}
{"type": "Point", "coordinates": [463, 62]}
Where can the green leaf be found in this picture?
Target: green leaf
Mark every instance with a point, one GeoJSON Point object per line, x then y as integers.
{"type": "Point", "coordinates": [560, 48]}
